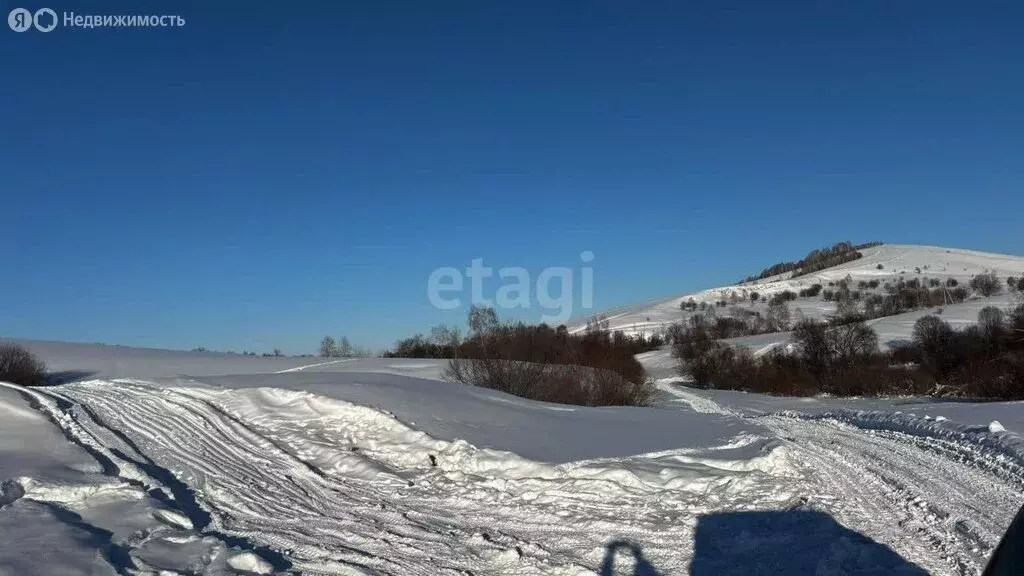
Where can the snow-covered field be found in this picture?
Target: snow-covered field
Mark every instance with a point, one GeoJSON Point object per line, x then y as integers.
{"type": "Point", "coordinates": [165, 462]}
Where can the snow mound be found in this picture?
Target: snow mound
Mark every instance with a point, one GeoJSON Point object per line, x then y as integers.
{"type": "Point", "coordinates": [250, 563]}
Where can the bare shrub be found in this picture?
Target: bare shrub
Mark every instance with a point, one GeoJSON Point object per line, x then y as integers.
{"type": "Point", "coordinates": [811, 292]}
{"type": "Point", "coordinates": [558, 383]}
{"type": "Point", "coordinates": [596, 368]}
{"type": "Point", "coordinates": [19, 366]}
{"type": "Point", "coordinates": [1016, 321]}
{"type": "Point", "coordinates": [986, 284]}
{"type": "Point", "coordinates": [990, 322]}
{"type": "Point", "coordinates": [846, 303]}
{"type": "Point", "coordinates": [958, 294]}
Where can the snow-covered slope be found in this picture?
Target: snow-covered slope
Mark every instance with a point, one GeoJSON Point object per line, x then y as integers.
{"type": "Point", "coordinates": [891, 330]}
{"type": "Point", "coordinates": [896, 260]}
{"type": "Point", "coordinates": [174, 464]}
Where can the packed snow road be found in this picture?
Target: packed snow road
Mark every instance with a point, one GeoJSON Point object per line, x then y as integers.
{"type": "Point", "coordinates": [271, 480]}
{"type": "Point", "coordinates": [942, 496]}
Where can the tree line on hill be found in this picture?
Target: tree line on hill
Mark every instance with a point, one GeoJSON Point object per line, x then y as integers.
{"type": "Point", "coordinates": [815, 260]}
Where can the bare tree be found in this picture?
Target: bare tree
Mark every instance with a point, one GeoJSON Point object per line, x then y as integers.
{"type": "Point", "coordinates": [328, 348]}
{"type": "Point", "coordinates": [852, 341]}
{"type": "Point", "coordinates": [778, 316]}
{"type": "Point", "coordinates": [991, 321]}
{"type": "Point", "coordinates": [597, 323]}
{"type": "Point", "coordinates": [344, 347]}
{"type": "Point", "coordinates": [482, 320]}
{"type": "Point", "coordinates": [444, 335]}
{"type": "Point", "coordinates": [934, 337]}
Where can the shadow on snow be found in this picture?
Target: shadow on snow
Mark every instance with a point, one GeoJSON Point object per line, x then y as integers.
{"type": "Point", "coordinates": [792, 542]}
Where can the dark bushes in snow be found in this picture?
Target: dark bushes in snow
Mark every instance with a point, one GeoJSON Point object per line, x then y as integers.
{"type": "Point", "coordinates": [986, 284]}
{"type": "Point", "coordinates": [984, 361]}
{"type": "Point", "coordinates": [19, 366]}
{"type": "Point", "coordinates": [595, 368]}
{"type": "Point", "coordinates": [811, 292]}
{"type": "Point", "coordinates": [784, 296]}
{"type": "Point", "coordinates": [842, 358]}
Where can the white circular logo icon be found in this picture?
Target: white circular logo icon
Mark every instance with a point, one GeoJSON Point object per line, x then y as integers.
{"type": "Point", "coordinates": [20, 19]}
{"type": "Point", "coordinates": [48, 24]}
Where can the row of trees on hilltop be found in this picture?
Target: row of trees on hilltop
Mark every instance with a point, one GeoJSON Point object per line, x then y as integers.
{"type": "Point", "coordinates": [815, 260]}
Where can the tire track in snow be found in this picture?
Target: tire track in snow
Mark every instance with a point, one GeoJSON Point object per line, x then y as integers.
{"type": "Point", "coordinates": [254, 489]}
{"type": "Point", "coordinates": [942, 502]}
{"type": "Point", "coordinates": [259, 476]}
{"type": "Point", "coordinates": [301, 368]}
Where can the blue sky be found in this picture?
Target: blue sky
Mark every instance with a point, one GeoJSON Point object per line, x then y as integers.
{"type": "Point", "coordinates": [265, 175]}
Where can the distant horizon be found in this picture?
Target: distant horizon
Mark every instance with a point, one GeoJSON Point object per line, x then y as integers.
{"type": "Point", "coordinates": [315, 339]}
{"type": "Point", "coordinates": [255, 178]}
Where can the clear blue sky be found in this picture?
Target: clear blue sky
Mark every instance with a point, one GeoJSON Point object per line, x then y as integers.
{"type": "Point", "coordinates": [273, 172]}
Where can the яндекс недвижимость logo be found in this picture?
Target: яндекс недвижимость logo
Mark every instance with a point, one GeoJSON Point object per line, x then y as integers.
{"type": "Point", "coordinates": [21, 19]}
{"type": "Point", "coordinates": [46, 20]}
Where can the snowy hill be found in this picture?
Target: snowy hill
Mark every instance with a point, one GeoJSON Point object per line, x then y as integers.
{"type": "Point", "coordinates": [887, 262]}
